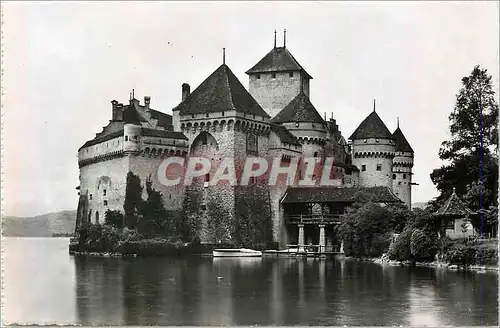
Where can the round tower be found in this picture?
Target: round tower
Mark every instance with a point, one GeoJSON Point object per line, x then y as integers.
{"type": "Point", "coordinates": [131, 129]}
{"type": "Point", "coordinates": [373, 149]}
{"type": "Point", "coordinates": [402, 168]}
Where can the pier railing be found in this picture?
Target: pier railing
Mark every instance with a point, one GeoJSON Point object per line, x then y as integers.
{"type": "Point", "coordinates": [313, 249]}
{"type": "Point", "coordinates": [314, 219]}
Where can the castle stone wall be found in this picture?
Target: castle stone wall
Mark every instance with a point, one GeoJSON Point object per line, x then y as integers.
{"type": "Point", "coordinates": [110, 175]}
{"type": "Point", "coordinates": [273, 94]}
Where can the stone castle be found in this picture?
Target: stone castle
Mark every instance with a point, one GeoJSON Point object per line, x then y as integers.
{"type": "Point", "coordinates": [275, 118]}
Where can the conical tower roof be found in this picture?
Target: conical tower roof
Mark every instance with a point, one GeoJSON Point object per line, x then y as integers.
{"type": "Point", "coordinates": [279, 59]}
{"type": "Point", "coordinates": [221, 91]}
{"type": "Point", "coordinates": [300, 109]}
{"type": "Point", "coordinates": [453, 207]}
{"type": "Point", "coordinates": [402, 145]}
{"type": "Point", "coordinates": [372, 127]}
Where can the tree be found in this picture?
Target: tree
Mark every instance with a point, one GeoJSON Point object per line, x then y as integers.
{"type": "Point", "coordinates": [471, 154]}
{"type": "Point", "coordinates": [114, 219]}
{"type": "Point", "coordinates": [365, 231]}
{"type": "Point", "coordinates": [153, 218]}
{"type": "Point", "coordinates": [133, 200]}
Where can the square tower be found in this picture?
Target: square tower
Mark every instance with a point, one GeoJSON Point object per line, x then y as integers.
{"type": "Point", "coordinates": [277, 79]}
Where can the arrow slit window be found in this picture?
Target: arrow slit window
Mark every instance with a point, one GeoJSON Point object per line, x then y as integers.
{"type": "Point", "coordinates": [252, 146]}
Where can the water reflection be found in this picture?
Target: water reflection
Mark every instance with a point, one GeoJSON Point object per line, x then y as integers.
{"type": "Point", "coordinates": [250, 291]}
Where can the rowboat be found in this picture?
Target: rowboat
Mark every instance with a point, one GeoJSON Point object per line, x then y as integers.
{"type": "Point", "coordinates": [236, 252]}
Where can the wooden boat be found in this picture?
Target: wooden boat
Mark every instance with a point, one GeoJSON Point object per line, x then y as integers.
{"type": "Point", "coordinates": [236, 252]}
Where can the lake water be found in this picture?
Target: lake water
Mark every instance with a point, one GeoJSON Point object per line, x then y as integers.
{"type": "Point", "coordinates": [43, 284]}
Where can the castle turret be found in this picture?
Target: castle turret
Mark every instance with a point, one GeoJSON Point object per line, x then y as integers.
{"type": "Point", "coordinates": [373, 149]}
{"type": "Point", "coordinates": [402, 167]}
{"type": "Point", "coordinates": [276, 79]}
{"type": "Point", "coordinates": [131, 129]}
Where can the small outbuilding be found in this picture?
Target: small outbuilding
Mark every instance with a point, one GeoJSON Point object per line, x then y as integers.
{"type": "Point", "coordinates": [454, 216]}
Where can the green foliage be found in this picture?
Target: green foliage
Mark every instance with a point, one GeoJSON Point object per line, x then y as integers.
{"type": "Point", "coordinates": [400, 251]}
{"type": "Point", "coordinates": [133, 200]}
{"type": "Point", "coordinates": [253, 223]}
{"type": "Point", "coordinates": [419, 239]}
{"type": "Point", "coordinates": [113, 218]}
{"type": "Point", "coordinates": [153, 219]}
{"type": "Point", "coordinates": [422, 246]}
{"type": "Point", "coordinates": [463, 151]}
{"type": "Point", "coordinates": [365, 231]}
{"type": "Point", "coordinates": [398, 216]}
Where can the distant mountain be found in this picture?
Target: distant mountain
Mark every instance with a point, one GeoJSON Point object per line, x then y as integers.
{"type": "Point", "coordinates": [419, 205]}
{"type": "Point", "coordinates": [46, 225]}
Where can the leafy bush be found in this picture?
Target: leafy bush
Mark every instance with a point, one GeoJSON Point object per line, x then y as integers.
{"type": "Point", "coordinates": [114, 219]}
{"type": "Point", "coordinates": [462, 255]}
{"type": "Point", "coordinates": [400, 250]}
{"type": "Point", "coordinates": [365, 231]}
{"type": "Point", "coordinates": [422, 246]}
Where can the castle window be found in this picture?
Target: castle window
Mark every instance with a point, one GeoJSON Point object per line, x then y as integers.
{"type": "Point", "coordinates": [379, 167]}
{"type": "Point", "coordinates": [273, 75]}
{"type": "Point", "coordinates": [258, 76]}
{"type": "Point", "coordinates": [207, 114]}
{"type": "Point", "coordinates": [394, 176]}
{"type": "Point", "coordinates": [126, 138]}
{"type": "Point", "coordinates": [450, 225]}
{"type": "Point", "coordinates": [105, 203]}
{"type": "Point", "coordinates": [291, 74]}
{"type": "Point", "coordinates": [363, 167]}
{"type": "Point", "coordinates": [222, 113]}
{"type": "Point", "coordinates": [207, 177]}
{"type": "Point", "coordinates": [104, 192]}
{"type": "Point", "coordinates": [90, 196]}
{"type": "Point", "coordinates": [97, 217]}
{"type": "Point", "coordinates": [404, 175]}
{"type": "Point", "coordinates": [315, 154]}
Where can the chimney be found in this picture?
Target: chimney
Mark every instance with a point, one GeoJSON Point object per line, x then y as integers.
{"type": "Point", "coordinates": [147, 100]}
{"type": "Point", "coordinates": [186, 90]}
{"type": "Point", "coordinates": [117, 111]}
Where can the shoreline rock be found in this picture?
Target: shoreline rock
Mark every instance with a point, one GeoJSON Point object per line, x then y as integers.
{"type": "Point", "coordinates": [384, 260]}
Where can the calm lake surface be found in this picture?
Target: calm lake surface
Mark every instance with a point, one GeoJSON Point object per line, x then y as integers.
{"type": "Point", "coordinates": [43, 284]}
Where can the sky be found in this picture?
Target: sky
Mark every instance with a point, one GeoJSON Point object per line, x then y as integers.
{"type": "Point", "coordinates": [63, 62]}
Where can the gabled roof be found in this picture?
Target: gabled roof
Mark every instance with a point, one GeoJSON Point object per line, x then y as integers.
{"type": "Point", "coordinates": [453, 207]}
{"type": "Point", "coordinates": [372, 127]}
{"type": "Point", "coordinates": [221, 91]}
{"type": "Point", "coordinates": [334, 194]}
{"type": "Point", "coordinates": [285, 136]}
{"type": "Point", "coordinates": [279, 59]}
{"type": "Point", "coordinates": [300, 109]}
{"type": "Point", "coordinates": [402, 144]}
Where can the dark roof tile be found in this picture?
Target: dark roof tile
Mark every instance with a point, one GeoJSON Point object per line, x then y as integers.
{"type": "Point", "coordinates": [371, 127]}
{"type": "Point", "coordinates": [402, 144]}
{"type": "Point", "coordinates": [300, 109]}
{"type": "Point", "coordinates": [279, 59]}
{"type": "Point", "coordinates": [453, 207]}
{"type": "Point", "coordinates": [333, 194]}
{"type": "Point", "coordinates": [285, 136]}
{"type": "Point", "coordinates": [162, 133]}
{"type": "Point", "coordinates": [221, 91]}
